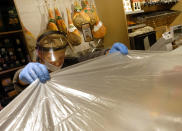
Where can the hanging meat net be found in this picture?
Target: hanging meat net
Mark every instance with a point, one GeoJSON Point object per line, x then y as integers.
{"type": "Point", "coordinates": [138, 92]}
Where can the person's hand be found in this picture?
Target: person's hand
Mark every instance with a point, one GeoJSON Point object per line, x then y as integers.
{"type": "Point", "coordinates": [32, 71]}
{"type": "Point", "coordinates": [118, 47]}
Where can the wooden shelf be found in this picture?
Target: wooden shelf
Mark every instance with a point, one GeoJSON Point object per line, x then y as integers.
{"type": "Point", "coordinates": [136, 26]}
{"type": "Point", "coordinates": [10, 70]}
{"type": "Point", "coordinates": [160, 13]}
{"type": "Point", "coordinates": [10, 32]}
{"type": "Point", "coordinates": [134, 12]}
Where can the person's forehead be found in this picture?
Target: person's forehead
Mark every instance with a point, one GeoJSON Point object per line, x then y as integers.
{"type": "Point", "coordinates": [54, 40]}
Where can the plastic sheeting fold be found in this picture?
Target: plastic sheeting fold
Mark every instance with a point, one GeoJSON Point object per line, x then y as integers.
{"type": "Point", "coordinates": [138, 92]}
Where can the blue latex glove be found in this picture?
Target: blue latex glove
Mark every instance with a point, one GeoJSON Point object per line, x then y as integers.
{"type": "Point", "coordinates": [32, 71]}
{"type": "Point", "coordinates": [119, 47]}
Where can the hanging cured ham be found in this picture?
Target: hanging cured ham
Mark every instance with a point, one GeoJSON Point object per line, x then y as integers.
{"type": "Point", "coordinates": [52, 23]}
{"type": "Point", "coordinates": [79, 16]}
{"type": "Point", "coordinates": [90, 12]}
{"type": "Point", "coordinates": [99, 29]}
{"type": "Point", "coordinates": [74, 35]}
{"type": "Point", "coordinates": [59, 20]}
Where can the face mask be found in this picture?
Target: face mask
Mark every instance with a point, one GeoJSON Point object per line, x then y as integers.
{"type": "Point", "coordinates": [52, 59]}
{"type": "Point", "coordinates": [52, 67]}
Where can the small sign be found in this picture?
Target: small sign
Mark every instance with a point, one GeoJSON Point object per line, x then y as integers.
{"type": "Point", "coordinates": [127, 5]}
{"type": "Point", "coordinates": [87, 33]}
{"type": "Point", "coordinates": [136, 5]}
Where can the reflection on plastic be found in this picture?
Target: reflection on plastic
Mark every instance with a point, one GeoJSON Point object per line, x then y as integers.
{"type": "Point", "coordinates": [138, 92]}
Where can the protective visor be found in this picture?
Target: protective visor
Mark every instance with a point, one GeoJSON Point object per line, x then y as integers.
{"type": "Point", "coordinates": [51, 47]}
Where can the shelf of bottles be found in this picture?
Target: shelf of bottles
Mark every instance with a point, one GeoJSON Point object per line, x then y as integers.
{"type": "Point", "coordinates": [12, 48]}
{"type": "Point", "coordinates": [12, 52]}
{"type": "Point", "coordinates": [9, 20]}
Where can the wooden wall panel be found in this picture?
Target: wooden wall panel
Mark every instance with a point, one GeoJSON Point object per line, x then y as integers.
{"type": "Point", "coordinates": [113, 16]}
{"type": "Point", "coordinates": [178, 7]}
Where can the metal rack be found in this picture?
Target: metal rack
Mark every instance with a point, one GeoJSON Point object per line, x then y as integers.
{"type": "Point", "coordinates": [159, 14]}
{"type": "Point", "coordinates": [160, 2]}
{"type": "Point", "coordinates": [157, 17]}
{"type": "Point", "coordinates": [134, 12]}
{"type": "Point", "coordinates": [136, 26]}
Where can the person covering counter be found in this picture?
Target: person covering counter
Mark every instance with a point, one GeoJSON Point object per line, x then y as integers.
{"type": "Point", "coordinates": [51, 56]}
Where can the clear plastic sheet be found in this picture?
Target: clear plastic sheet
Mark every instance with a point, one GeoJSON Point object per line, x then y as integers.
{"type": "Point", "coordinates": [138, 92]}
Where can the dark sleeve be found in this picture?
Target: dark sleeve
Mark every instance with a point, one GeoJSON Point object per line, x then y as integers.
{"type": "Point", "coordinates": [68, 61]}
{"type": "Point", "coordinates": [93, 55]}
{"type": "Point", "coordinates": [17, 86]}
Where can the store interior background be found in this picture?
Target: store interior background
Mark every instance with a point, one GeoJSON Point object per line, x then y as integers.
{"type": "Point", "coordinates": [114, 18]}
{"type": "Point", "coordinates": [112, 15]}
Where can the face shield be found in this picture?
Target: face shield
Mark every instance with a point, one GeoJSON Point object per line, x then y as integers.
{"type": "Point", "coordinates": [51, 47]}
